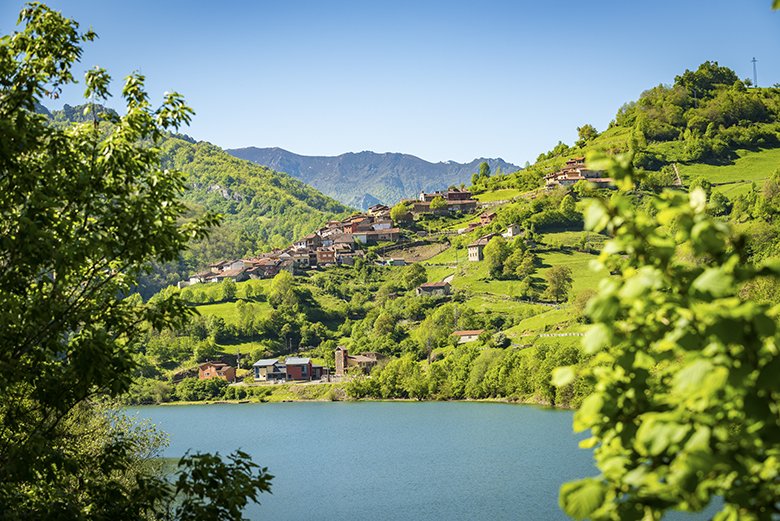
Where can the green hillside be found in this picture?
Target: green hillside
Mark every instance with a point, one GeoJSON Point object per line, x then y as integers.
{"type": "Point", "coordinates": [706, 118]}
{"type": "Point", "coordinates": [529, 292]}
{"type": "Point", "coordinates": [737, 177]}
{"type": "Point", "coordinates": [261, 209]}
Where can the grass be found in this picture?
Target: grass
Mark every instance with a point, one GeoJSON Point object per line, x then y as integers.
{"type": "Point", "coordinates": [448, 256]}
{"type": "Point", "coordinates": [437, 273]}
{"type": "Point", "coordinates": [240, 347]}
{"type": "Point", "coordinates": [229, 312]}
{"type": "Point", "coordinates": [583, 277]}
{"type": "Point", "coordinates": [482, 303]}
{"type": "Point", "coordinates": [573, 239]}
{"type": "Point", "coordinates": [418, 253]}
{"type": "Point", "coordinates": [736, 178]}
{"type": "Point", "coordinates": [504, 194]}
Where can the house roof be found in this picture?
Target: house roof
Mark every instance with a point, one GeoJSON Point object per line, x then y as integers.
{"type": "Point", "coordinates": [294, 360]}
{"type": "Point", "coordinates": [344, 237]}
{"type": "Point", "coordinates": [265, 362]}
{"type": "Point", "coordinates": [434, 285]}
{"type": "Point", "coordinates": [378, 232]}
{"type": "Point", "coordinates": [363, 358]}
{"type": "Point", "coordinates": [215, 365]}
{"type": "Point", "coordinates": [232, 273]}
{"type": "Point", "coordinates": [469, 332]}
{"type": "Point", "coordinates": [482, 241]}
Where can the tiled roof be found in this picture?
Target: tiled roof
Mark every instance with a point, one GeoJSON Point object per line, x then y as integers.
{"type": "Point", "coordinates": [469, 332]}
{"type": "Point", "coordinates": [434, 285]}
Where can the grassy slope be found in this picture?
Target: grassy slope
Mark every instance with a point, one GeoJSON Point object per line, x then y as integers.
{"type": "Point", "coordinates": [228, 310]}
{"type": "Point", "coordinates": [505, 194]}
{"type": "Point", "coordinates": [736, 178]}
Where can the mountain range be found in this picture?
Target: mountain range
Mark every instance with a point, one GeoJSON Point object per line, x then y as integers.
{"type": "Point", "coordinates": [366, 178]}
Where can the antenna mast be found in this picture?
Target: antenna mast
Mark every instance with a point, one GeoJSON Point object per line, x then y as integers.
{"type": "Point", "coordinates": [755, 77]}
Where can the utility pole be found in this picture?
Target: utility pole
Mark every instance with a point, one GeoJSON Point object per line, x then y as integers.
{"type": "Point", "coordinates": [755, 77]}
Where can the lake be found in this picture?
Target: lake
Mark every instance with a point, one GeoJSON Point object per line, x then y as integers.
{"type": "Point", "coordinates": [391, 460]}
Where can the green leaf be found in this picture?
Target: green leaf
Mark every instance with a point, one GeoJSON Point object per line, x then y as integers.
{"type": "Point", "coordinates": [715, 282]}
{"type": "Point", "coordinates": [654, 436]}
{"type": "Point", "coordinates": [563, 376]}
{"type": "Point", "coordinates": [596, 216]}
{"type": "Point", "coordinates": [589, 413]}
{"type": "Point", "coordinates": [596, 338]}
{"type": "Point", "coordinates": [698, 200]}
{"type": "Point", "coordinates": [580, 499]}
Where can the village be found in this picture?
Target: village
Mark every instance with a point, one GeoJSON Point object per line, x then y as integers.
{"type": "Point", "coordinates": [339, 243]}
{"type": "Point", "coordinates": [297, 369]}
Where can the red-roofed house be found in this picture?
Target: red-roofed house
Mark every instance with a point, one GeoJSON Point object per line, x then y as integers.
{"type": "Point", "coordinates": [216, 370]}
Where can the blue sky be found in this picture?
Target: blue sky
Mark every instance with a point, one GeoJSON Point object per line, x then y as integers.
{"type": "Point", "coordinates": [440, 80]}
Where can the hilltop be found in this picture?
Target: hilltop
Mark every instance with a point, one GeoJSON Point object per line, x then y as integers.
{"type": "Point", "coordinates": [367, 178]}
{"type": "Point", "coordinates": [707, 117]}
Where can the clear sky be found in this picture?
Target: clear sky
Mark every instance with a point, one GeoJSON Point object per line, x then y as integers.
{"type": "Point", "coordinates": [440, 80]}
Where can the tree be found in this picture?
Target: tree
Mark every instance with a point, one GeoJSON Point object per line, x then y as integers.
{"type": "Point", "coordinates": [703, 183]}
{"type": "Point", "coordinates": [414, 275]}
{"type": "Point", "coordinates": [84, 210]}
{"type": "Point", "coordinates": [685, 406]}
{"type": "Point", "coordinates": [496, 252]}
{"type": "Point", "coordinates": [568, 207]}
{"type": "Point", "coordinates": [558, 283]}
{"type": "Point", "coordinates": [585, 133]}
{"type": "Point", "coordinates": [401, 213]}
{"type": "Point", "coordinates": [706, 78]}
{"type": "Point", "coordinates": [438, 203]}
{"type": "Point", "coordinates": [228, 289]}
{"type": "Point", "coordinates": [484, 170]}
{"type": "Point", "coordinates": [282, 293]}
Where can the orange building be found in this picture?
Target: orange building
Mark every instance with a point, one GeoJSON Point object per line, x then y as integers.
{"type": "Point", "coordinates": [216, 370]}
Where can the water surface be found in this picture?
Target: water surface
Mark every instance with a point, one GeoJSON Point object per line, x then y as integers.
{"type": "Point", "coordinates": [379, 461]}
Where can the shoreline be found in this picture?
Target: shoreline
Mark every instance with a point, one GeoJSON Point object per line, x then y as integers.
{"type": "Point", "coordinates": [504, 401]}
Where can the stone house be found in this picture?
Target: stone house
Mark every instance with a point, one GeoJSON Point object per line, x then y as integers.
{"type": "Point", "coordinates": [433, 289]}
{"type": "Point", "coordinates": [216, 370]}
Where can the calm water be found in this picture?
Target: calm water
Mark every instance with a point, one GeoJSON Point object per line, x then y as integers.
{"type": "Point", "coordinates": [391, 461]}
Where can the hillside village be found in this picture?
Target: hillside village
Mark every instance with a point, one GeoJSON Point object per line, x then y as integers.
{"type": "Point", "coordinates": [495, 276]}
{"type": "Point", "coordinates": [338, 242]}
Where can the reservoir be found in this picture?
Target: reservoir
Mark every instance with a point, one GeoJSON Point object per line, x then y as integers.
{"type": "Point", "coordinates": [377, 461]}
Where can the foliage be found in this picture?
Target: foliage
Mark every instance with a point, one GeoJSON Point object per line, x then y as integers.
{"type": "Point", "coordinates": [496, 252]}
{"type": "Point", "coordinates": [401, 213]}
{"type": "Point", "coordinates": [212, 488]}
{"type": "Point", "coordinates": [85, 209]}
{"type": "Point", "coordinates": [437, 203]}
{"type": "Point", "coordinates": [586, 133]}
{"type": "Point", "coordinates": [559, 282]}
{"type": "Point", "coordinates": [473, 372]}
{"type": "Point", "coordinates": [685, 407]}
{"type": "Point", "coordinates": [194, 389]}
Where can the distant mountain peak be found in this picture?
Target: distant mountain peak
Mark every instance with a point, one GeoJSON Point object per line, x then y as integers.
{"type": "Point", "coordinates": [364, 178]}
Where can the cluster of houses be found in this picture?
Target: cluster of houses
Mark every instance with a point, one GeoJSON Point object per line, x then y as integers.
{"type": "Point", "coordinates": [574, 171]}
{"type": "Point", "coordinates": [455, 200]}
{"type": "Point", "coordinates": [336, 243]}
{"type": "Point", "coordinates": [476, 247]}
{"type": "Point", "coordinates": [292, 369]}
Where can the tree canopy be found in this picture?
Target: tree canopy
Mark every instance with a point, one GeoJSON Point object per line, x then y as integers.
{"type": "Point", "coordinates": [685, 402]}
{"type": "Point", "coordinates": [84, 210]}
